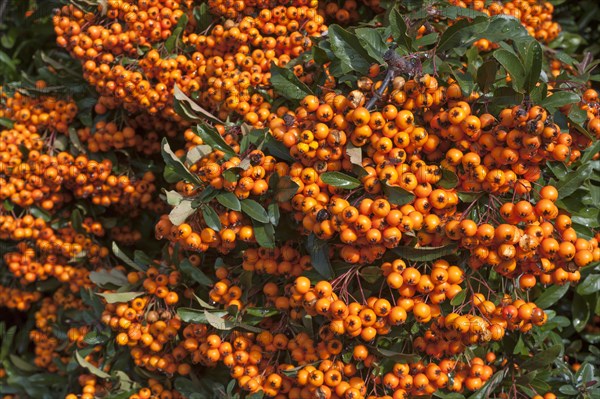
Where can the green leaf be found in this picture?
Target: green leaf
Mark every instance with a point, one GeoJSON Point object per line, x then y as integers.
{"type": "Point", "coordinates": [347, 48]}
{"type": "Point", "coordinates": [464, 80]}
{"type": "Point", "coordinates": [319, 255]}
{"type": "Point", "coordinates": [462, 33]}
{"type": "Point", "coordinates": [7, 340]}
{"type": "Point", "coordinates": [425, 254]}
{"type": "Point", "coordinates": [532, 61]}
{"type": "Point", "coordinates": [514, 67]}
{"type": "Point", "coordinates": [589, 152]}
{"type": "Point", "coordinates": [211, 218]}
{"type": "Point", "coordinates": [22, 364]}
{"type": "Point", "coordinates": [229, 201]}
{"type": "Point", "coordinates": [254, 210]}
{"type": "Point", "coordinates": [188, 109]}
{"type": "Point", "coordinates": [7, 123]}
{"type": "Point", "coordinates": [451, 395]}
{"type": "Point", "coordinates": [173, 40]}
{"type": "Point", "coordinates": [573, 181]}
{"type": "Point", "coordinates": [277, 149]}
{"type": "Point", "coordinates": [264, 233]}
{"type": "Point", "coordinates": [397, 356]}
{"type": "Point", "coordinates": [559, 99]}
{"type": "Point", "coordinates": [181, 212]}
{"type": "Point", "coordinates": [121, 255]}
{"type": "Point", "coordinates": [397, 195]}
{"type": "Point", "coordinates": [340, 180]}
{"type": "Point", "coordinates": [371, 273]}
{"type": "Point", "coordinates": [195, 273]}
{"type": "Point", "coordinates": [189, 315]}
{"type": "Point", "coordinates": [453, 12]}
{"type": "Point", "coordinates": [399, 29]}
{"type": "Point", "coordinates": [211, 137]}
{"type": "Point", "coordinates": [459, 298]}
{"type": "Point", "coordinates": [486, 75]}
{"type": "Point", "coordinates": [449, 179]}
{"type": "Point", "coordinates": [551, 295]}
{"type": "Point", "coordinates": [119, 297]}
{"type": "Point", "coordinates": [585, 373]}
{"type": "Point", "coordinates": [93, 369]}
{"type": "Point", "coordinates": [77, 220]}
{"type": "Point", "coordinates": [274, 214]}
{"type": "Point", "coordinates": [373, 42]}
{"type": "Point", "coordinates": [178, 167]}
{"type": "Point", "coordinates": [543, 358]}
{"type": "Point", "coordinates": [287, 84]}
{"type": "Point", "coordinates": [111, 276]}
{"type": "Point", "coordinates": [285, 188]}
{"type": "Point", "coordinates": [568, 390]}
{"type": "Point", "coordinates": [589, 285]}
{"type": "Point", "coordinates": [202, 17]}
{"type": "Point", "coordinates": [581, 311]}
{"type": "Point", "coordinates": [486, 390]}
{"type": "Point", "coordinates": [218, 322]}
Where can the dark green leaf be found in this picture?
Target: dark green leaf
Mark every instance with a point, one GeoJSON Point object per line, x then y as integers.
{"type": "Point", "coordinates": [347, 48]}
{"type": "Point", "coordinates": [399, 29]}
{"type": "Point", "coordinates": [533, 64]}
{"type": "Point", "coordinates": [459, 298]}
{"type": "Point", "coordinates": [543, 358]}
{"type": "Point", "coordinates": [580, 308]}
{"type": "Point", "coordinates": [189, 315]}
{"type": "Point", "coordinates": [514, 67]}
{"type": "Point", "coordinates": [340, 180]}
{"type": "Point", "coordinates": [397, 356]}
{"type": "Point", "coordinates": [449, 179]}
{"type": "Point", "coordinates": [489, 387]}
{"type": "Point", "coordinates": [119, 297]}
{"type": "Point", "coordinates": [462, 33]}
{"type": "Point", "coordinates": [123, 256]}
{"type": "Point", "coordinates": [111, 276]}
{"type": "Point", "coordinates": [285, 188]}
{"type": "Point", "coordinates": [77, 220]}
{"type": "Point", "coordinates": [319, 255]}
{"type": "Point", "coordinates": [589, 285]}
{"type": "Point", "coordinates": [397, 195]}
{"type": "Point", "coordinates": [178, 167]}
{"type": "Point", "coordinates": [7, 340]}
{"type": "Point", "coordinates": [486, 75]}
{"type": "Point", "coordinates": [211, 137]}
{"type": "Point", "coordinates": [264, 233]}
{"type": "Point", "coordinates": [373, 42]}
{"type": "Point", "coordinates": [255, 210]}
{"type": "Point", "coordinates": [211, 218]}
{"type": "Point", "coordinates": [568, 390]}
{"type": "Point", "coordinates": [7, 123]}
{"type": "Point", "coordinates": [274, 214]}
{"type": "Point", "coordinates": [202, 17]}
{"type": "Point", "coordinates": [573, 181]}
{"type": "Point", "coordinates": [425, 254]}
{"type": "Point", "coordinates": [22, 364]}
{"type": "Point", "coordinates": [229, 201]}
{"type": "Point", "coordinates": [287, 84]}
{"type": "Point", "coordinates": [93, 369]}
{"type": "Point", "coordinates": [551, 295]}
{"type": "Point", "coordinates": [559, 99]}
{"type": "Point", "coordinates": [195, 273]}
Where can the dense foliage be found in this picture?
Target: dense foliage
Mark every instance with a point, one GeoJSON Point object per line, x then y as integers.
{"type": "Point", "coordinates": [299, 199]}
